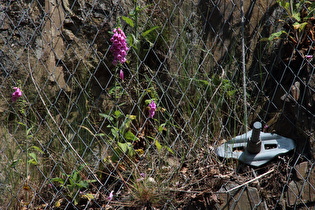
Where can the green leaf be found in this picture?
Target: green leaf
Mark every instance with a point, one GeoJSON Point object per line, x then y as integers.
{"type": "Point", "coordinates": [82, 184]}
{"type": "Point", "coordinates": [130, 136]}
{"type": "Point", "coordinates": [117, 114]}
{"type": "Point", "coordinates": [274, 36]}
{"type": "Point", "coordinates": [106, 116]}
{"type": "Point", "coordinates": [115, 132]}
{"type": "Point", "coordinates": [37, 149]}
{"type": "Point", "coordinates": [162, 127]}
{"type": "Point", "coordinates": [123, 146]}
{"type": "Point", "coordinates": [74, 176]}
{"type": "Point", "coordinates": [158, 145]}
{"type": "Point", "coordinates": [169, 149]}
{"type": "Point", "coordinates": [34, 158]}
{"type": "Point", "coordinates": [129, 21]}
{"type": "Point", "coordinates": [28, 131]}
{"type": "Point", "coordinates": [57, 179]}
{"type": "Point", "coordinates": [284, 3]}
{"type": "Point", "coordinates": [32, 161]}
{"type": "Point", "coordinates": [299, 26]}
{"type": "Point", "coordinates": [231, 92]}
{"type": "Point", "coordinates": [132, 41]}
{"type": "Point", "coordinates": [22, 124]}
{"type": "Point", "coordinates": [296, 16]}
{"type": "Point", "coordinates": [147, 32]}
{"type": "Point", "coordinates": [131, 151]}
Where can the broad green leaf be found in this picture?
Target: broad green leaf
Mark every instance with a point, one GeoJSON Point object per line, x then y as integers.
{"type": "Point", "coordinates": [296, 15]}
{"type": "Point", "coordinates": [285, 4]}
{"type": "Point", "coordinates": [130, 136]}
{"type": "Point", "coordinates": [129, 21]}
{"type": "Point", "coordinates": [34, 158]}
{"type": "Point", "coordinates": [117, 114]}
{"type": "Point", "coordinates": [131, 151]}
{"type": "Point", "coordinates": [123, 146]}
{"type": "Point", "coordinates": [147, 32]}
{"type": "Point", "coordinates": [115, 132]}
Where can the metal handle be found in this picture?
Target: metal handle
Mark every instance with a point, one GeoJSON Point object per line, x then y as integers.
{"type": "Point", "coordinates": [254, 143]}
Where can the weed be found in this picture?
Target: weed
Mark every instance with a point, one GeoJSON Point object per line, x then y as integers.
{"type": "Point", "coordinates": [121, 136]}
{"type": "Point", "coordinates": [73, 183]}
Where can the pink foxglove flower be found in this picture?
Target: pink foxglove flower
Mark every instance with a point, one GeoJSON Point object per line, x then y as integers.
{"type": "Point", "coordinates": [152, 109]}
{"type": "Point", "coordinates": [119, 47]}
{"type": "Point", "coordinates": [121, 74]}
{"type": "Point", "coordinates": [16, 94]}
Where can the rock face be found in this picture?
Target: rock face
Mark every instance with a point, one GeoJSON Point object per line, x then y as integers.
{"type": "Point", "coordinates": [302, 190]}
{"type": "Point", "coordinates": [242, 198]}
{"type": "Point", "coordinates": [54, 47]}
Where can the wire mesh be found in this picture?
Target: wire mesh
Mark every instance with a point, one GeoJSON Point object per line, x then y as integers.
{"type": "Point", "coordinates": [83, 135]}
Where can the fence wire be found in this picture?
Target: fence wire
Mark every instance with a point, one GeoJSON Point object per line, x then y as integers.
{"type": "Point", "coordinates": [80, 131]}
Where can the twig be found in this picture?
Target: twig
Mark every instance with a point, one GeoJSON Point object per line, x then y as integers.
{"type": "Point", "coordinates": [186, 191]}
{"type": "Point", "coordinates": [246, 183]}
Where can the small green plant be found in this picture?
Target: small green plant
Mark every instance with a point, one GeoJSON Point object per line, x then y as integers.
{"type": "Point", "coordinates": [33, 155]}
{"type": "Point", "coordinates": [73, 183]}
{"type": "Point", "coordinates": [298, 15]}
{"type": "Point", "coordinates": [139, 35]}
{"type": "Point", "coordinates": [146, 191]}
{"type": "Point", "coordinates": [120, 137]}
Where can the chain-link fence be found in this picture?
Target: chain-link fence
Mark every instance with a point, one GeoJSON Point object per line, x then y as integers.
{"type": "Point", "coordinates": [81, 128]}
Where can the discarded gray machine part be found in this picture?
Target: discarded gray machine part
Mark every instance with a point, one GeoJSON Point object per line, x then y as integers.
{"type": "Point", "coordinates": [255, 147]}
